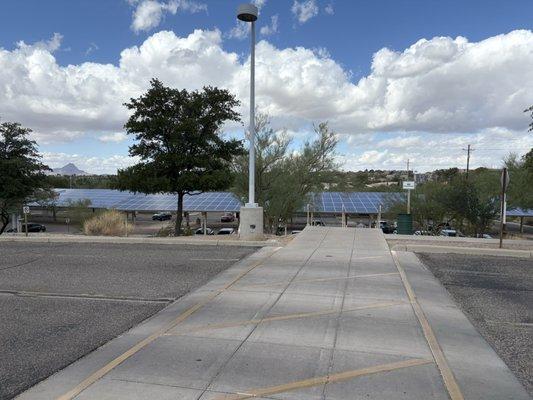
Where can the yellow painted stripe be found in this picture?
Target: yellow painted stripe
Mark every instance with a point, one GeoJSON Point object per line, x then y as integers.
{"type": "Point", "coordinates": [323, 380]}
{"type": "Point", "coordinates": [282, 318]}
{"type": "Point", "coordinates": [143, 343]}
{"type": "Point", "coordinates": [259, 285]}
{"type": "Point", "coordinates": [447, 375]}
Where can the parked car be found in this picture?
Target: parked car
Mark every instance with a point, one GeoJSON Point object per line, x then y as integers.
{"type": "Point", "coordinates": [423, 233]}
{"type": "Point", "coordinates": [448, 232]}
{"type": "Point", "coordinates": [32, 227]}
{"type": "Point", "coordinates": [294, 232]}
{"type": "Point", "coordinates": [386, 227]}
{"type": "Point", "coordinates": [317, 223]}
{"type": "Point", "coordinates": [226, 231]}
{"type": "Point", "coordinates": [162, 216]}
{"type": "Point", "coordinates": [227, 217]}
{"type": "Point", "coordinates": [208, 231]}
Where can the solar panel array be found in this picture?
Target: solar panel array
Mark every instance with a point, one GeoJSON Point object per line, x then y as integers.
{"type": "Point", "coordinates": [129, 201]}
{"type": "Point", "coordinates": [325, 202]}
{"type": "Point", "coordinates": [352, 202]}
{"type": "Point", "coordinates": [520, 212]}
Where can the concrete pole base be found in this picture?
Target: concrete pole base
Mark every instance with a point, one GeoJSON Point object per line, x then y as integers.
{"type": "Point", "coordinates": [251, 223]}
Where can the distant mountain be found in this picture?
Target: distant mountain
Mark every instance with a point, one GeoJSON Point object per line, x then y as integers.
{"type": "Point", "coordinates": [69, 169]}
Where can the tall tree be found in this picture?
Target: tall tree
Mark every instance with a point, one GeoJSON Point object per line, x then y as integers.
{"type": "Point", "coordinates": [179, 143]}
{"type": "Point", "coordinates": [284, 178]}
{"type": "Point", "coordinates": [520, 191]}
{"type": "Point", "coordinates": [22, 174]}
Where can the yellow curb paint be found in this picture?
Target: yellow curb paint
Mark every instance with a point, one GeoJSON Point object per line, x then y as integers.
{"type": "Point", "coordinates": [447, 375]}
{"type": "Point", "coordinates": [143, 343]}
{"type": "Point", "coordinates": [324, 379]}
{"type": "Point", "coordinates": [259, 285]}
{"type": "Point", "coordinates": [282, 318]}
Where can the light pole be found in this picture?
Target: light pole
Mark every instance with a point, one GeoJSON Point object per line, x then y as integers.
{"type": "Point", "coordinates": [251, 215]}
{"type": "Point", "coordinates": [248, 13]}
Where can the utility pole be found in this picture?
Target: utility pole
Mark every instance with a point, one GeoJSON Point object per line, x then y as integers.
{"type": "Point", "coordinates": [408, 192]}
{"type": "Point", "coordinates": [468, 150]}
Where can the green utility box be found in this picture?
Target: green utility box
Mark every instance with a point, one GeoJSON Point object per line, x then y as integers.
{"type": "Point", "coordinates": [405, 224]}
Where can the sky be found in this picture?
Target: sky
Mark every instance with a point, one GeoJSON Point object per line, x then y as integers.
{"type": "Point", "coordinates": [396, 80]}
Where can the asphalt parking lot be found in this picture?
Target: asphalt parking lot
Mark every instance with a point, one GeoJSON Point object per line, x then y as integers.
{"type": "Point", "coordinates": [60, 301]}
{"type": "Point", "coordinates": [496, 293]}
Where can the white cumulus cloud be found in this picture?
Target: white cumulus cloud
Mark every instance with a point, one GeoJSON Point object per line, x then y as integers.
{"type": "Point", "coordinates": [303, 11]}
{"type": "Point", "coordinates": [439, 85]}
{"type": "Point", "coordinates": [115, 137]}
{"type": "Point", "coordinates": [271, 29]}
{"type": "Point", "coordinates": [239, 31]}
{"type": "Point", "coordinates": [149, 13]}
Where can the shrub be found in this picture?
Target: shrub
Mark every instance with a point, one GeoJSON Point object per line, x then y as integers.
{"type": "Point", "coordinates": [108, 223]}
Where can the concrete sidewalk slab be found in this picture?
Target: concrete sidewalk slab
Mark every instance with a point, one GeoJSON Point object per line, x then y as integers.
{"type": "Point", "coordinates": [310, 328]}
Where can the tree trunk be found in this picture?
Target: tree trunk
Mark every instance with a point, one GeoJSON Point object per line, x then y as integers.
{"type": "Point", "coordinates": [179, 215]}
{"type": "Point", "coordinates": [4, 221]}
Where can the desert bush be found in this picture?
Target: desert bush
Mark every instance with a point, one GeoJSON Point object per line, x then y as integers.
{"type": "Point", "coordinates": [166, 231]}
{"type": "Point", "coordinates": [108, 223]}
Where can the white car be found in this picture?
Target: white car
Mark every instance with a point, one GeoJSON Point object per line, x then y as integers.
{"type": "Point", "coordinates": [208, 231]}
{"type": "Point", "coordinates": [226, 231]}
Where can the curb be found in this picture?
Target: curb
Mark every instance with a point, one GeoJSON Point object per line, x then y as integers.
{"type": "Point", "coordinates": [137, 240]}
{"type": "Point", "coordinates": [421, 248]}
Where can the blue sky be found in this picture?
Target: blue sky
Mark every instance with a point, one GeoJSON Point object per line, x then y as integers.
{"type": "Point", "coordinates": [386, 104]}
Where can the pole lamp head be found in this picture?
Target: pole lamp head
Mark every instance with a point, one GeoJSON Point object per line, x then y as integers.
{"type": "Point", "coordinates": [247, 12]}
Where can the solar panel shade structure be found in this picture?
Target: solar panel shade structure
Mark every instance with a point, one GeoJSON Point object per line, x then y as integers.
{"type": "Point", "coordinates": [519, 212]}
{"type": "Point", "coordinates": [99, 198]}
{"type": "Point", "coordinates": [208, 201]}
{"type": "Point", "coordinates": [352, 202]}
{"type": "Point", "coordinates": [325, 202]}
{"type": "Point", "coordinates": [129, 201]}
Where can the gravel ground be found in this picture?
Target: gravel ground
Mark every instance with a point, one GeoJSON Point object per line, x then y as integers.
{"type": "Point", "coordinates": [497, 295]}
{"type": "Point", "coordinates": [99, 291]}
{"type": "Point", "coordinates": [437, 241]}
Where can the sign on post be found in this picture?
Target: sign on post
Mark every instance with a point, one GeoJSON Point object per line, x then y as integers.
{"type": "Point", "coordinates": [504, 179]}
{"type": "Point", "coordinates": [409, 185]}
{"type": "Point", "coordinates": [25, 211]}
{"type": "Point", "coordinates": [504, 183]}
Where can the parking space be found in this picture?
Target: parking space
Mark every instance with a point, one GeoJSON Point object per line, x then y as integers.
{"type": "Point", "coordinates": [59, 301]}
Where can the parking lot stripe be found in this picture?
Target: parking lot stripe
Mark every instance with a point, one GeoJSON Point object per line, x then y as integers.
{"type": "Point", "coordinates": [25, 293]}
{"type": "Point", "coordinates": [321, 380]}
{"type": "Point", "coordinates": [145, 342]}
{"type": "Point", "coordinates": [314, 280]}
{"type": "Point", "coordinates": [215, 259]}
{"type": "Point", "coordinates": [447, 375]}
{"type": "Point", "coordinates": [282, 318]}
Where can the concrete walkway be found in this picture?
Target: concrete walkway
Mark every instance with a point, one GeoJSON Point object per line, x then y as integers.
{"type": "Point", "coordinates": [334, 315]}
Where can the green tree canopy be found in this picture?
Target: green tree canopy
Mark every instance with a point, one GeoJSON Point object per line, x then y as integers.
{"type": "Point", "coordinates": [520, 191]}
{"type": "Point", "coordinates": [178, 142]}
{"type": "Point", "coordinates": [283, 177]}
{"type": "Point", "coordinates": [22, 174]}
